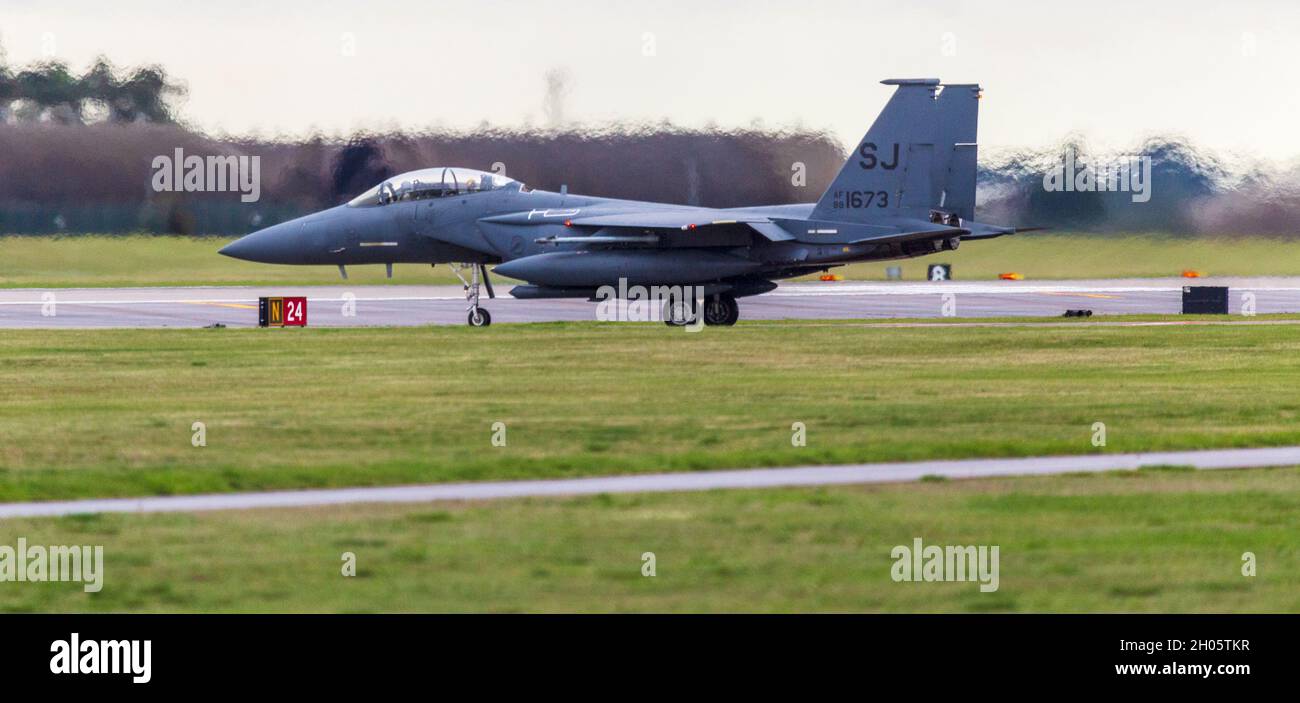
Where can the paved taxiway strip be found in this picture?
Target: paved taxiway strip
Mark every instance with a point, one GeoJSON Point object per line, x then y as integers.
{"type": "Point", "coordinates": [658, 483]}
{"type": "Point", "coordinates": [388, 305]}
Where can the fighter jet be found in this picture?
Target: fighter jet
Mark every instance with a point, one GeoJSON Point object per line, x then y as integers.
{"type": "Point", "coordinates": [907, 190]}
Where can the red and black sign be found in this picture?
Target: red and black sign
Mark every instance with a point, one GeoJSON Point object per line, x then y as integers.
{"type": "Point", "coordinates": [288, 311]}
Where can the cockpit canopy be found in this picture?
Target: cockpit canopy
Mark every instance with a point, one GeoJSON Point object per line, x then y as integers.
{"type": "Point", "coordinates": [433, 183]}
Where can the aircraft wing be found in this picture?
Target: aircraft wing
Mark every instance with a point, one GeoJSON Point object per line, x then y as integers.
{"type": "Point", "coordinates": [687, 219]}
{"type": "Point", "coordinates": [664, 219]}
{"type": "Point", "coordinates": [610, 220]}
{"type": "Point", "coordinates": [668, 217]}
{"type": "Point", "coordinates": [608, 226]}
{"type": "Point", "coordinates": [778, 229]}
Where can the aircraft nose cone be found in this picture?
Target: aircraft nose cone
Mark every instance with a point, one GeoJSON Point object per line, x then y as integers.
{"type": "Point", "coordinates": [272, 245]}
{"type": "Point", "coordinates": [237, 249]}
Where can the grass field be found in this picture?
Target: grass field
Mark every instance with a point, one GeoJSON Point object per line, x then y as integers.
{"type": "Point", "coordinates": [110, 412]}
{"type": "Point", "coordinates": [44, 262]}
{"type": "Point", "coordinates": [91, 262]}
{"type": "Point", "coordinates": [1039, 256]}
{"type": "Point", "coordinates": [1153, 540]}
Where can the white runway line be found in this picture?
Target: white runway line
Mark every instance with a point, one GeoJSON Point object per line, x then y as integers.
{"type": "Point", "coordinates": [674, 482]}
{"type": "Point", "coordinates": [206, 301]}
{"type": "Point", "coordinates": [421, 305]}
{"type": "Point", "coordinates": [941, 288]}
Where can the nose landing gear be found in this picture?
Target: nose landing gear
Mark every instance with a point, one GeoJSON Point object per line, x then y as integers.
{"type": "Point", "coordinates": [478, 317]}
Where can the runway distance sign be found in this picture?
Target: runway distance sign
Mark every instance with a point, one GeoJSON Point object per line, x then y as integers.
{"type": "Point", "coordinates": [288, 311]}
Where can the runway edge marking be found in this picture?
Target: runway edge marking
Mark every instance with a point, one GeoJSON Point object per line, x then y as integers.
{"type": "Point", "coordinates": [672, 482]}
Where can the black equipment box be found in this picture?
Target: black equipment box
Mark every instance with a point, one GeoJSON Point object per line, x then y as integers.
{"type": "Point", "coordinates": [1205, 300]}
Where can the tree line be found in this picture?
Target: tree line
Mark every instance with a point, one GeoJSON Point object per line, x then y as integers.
{"type": "Point", "coordinates": [50, 91]}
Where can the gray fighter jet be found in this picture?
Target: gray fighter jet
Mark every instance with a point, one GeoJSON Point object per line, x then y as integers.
{"type": "Point", "coordinates": [907, 190]}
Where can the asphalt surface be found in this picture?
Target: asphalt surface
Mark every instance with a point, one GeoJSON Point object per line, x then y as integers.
{"type": "Point", "coordinates": [658, 483]}
{"type": "Point", "coordinates": [423, 305]}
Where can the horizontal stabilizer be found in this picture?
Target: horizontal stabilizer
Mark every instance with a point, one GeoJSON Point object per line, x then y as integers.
{"type": "Point", "coordinates": [910, 81]}
{"type": "Point", "coordinates": [923, 231]}
{"type": "Point", "coordinates": [979, 230]}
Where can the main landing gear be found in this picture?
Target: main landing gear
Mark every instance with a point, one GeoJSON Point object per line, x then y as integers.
{"type": "Point", "coordinates": [719, 309]}
{"type": "Point", "coordinates": [478, 317]}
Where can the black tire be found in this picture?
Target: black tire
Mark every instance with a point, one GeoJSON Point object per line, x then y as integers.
{"type": "Point", "coordinates": [687, 307]}
{"type": "Point", "coordinates": [478, 317]}
{"type": "Point", "coordinates": [721, 309]}
{"type": "Point", "coordinates": [734, 317]}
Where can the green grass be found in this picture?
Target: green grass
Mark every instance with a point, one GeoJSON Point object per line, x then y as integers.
{"type": "Point", "coordinates": [48, 262]}
{"type": "Point", "coordinates": [92, 262]}
{"type": "Point", "coordinates": [109, 412]}
{"type": "Point", "coordinates": [1040, 256]}
{"type": "Point", "coordinates": [1147, 541]}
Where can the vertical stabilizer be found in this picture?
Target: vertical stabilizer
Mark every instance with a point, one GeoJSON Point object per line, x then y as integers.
{"type": "Point", "coordinates": [918, 155]}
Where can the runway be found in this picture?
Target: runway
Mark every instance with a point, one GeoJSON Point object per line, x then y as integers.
{"type": "Point", "coordinates": [675, 482]}
{"type": "Point", "coordinates": [390, 305]}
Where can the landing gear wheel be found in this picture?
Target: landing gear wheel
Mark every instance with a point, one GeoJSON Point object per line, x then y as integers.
{"type": "Point", "coordinates": [478, 317]}
{"type": "Point", "coordinates": [679, 313]}
{"type": "Point", "coordinates": [734, 315]}
{"type": "Point", "coordinates": [721, 309]}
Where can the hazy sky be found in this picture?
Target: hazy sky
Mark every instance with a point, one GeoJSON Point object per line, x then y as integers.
{"type": "Point", "coordinates": [1215, 71]}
